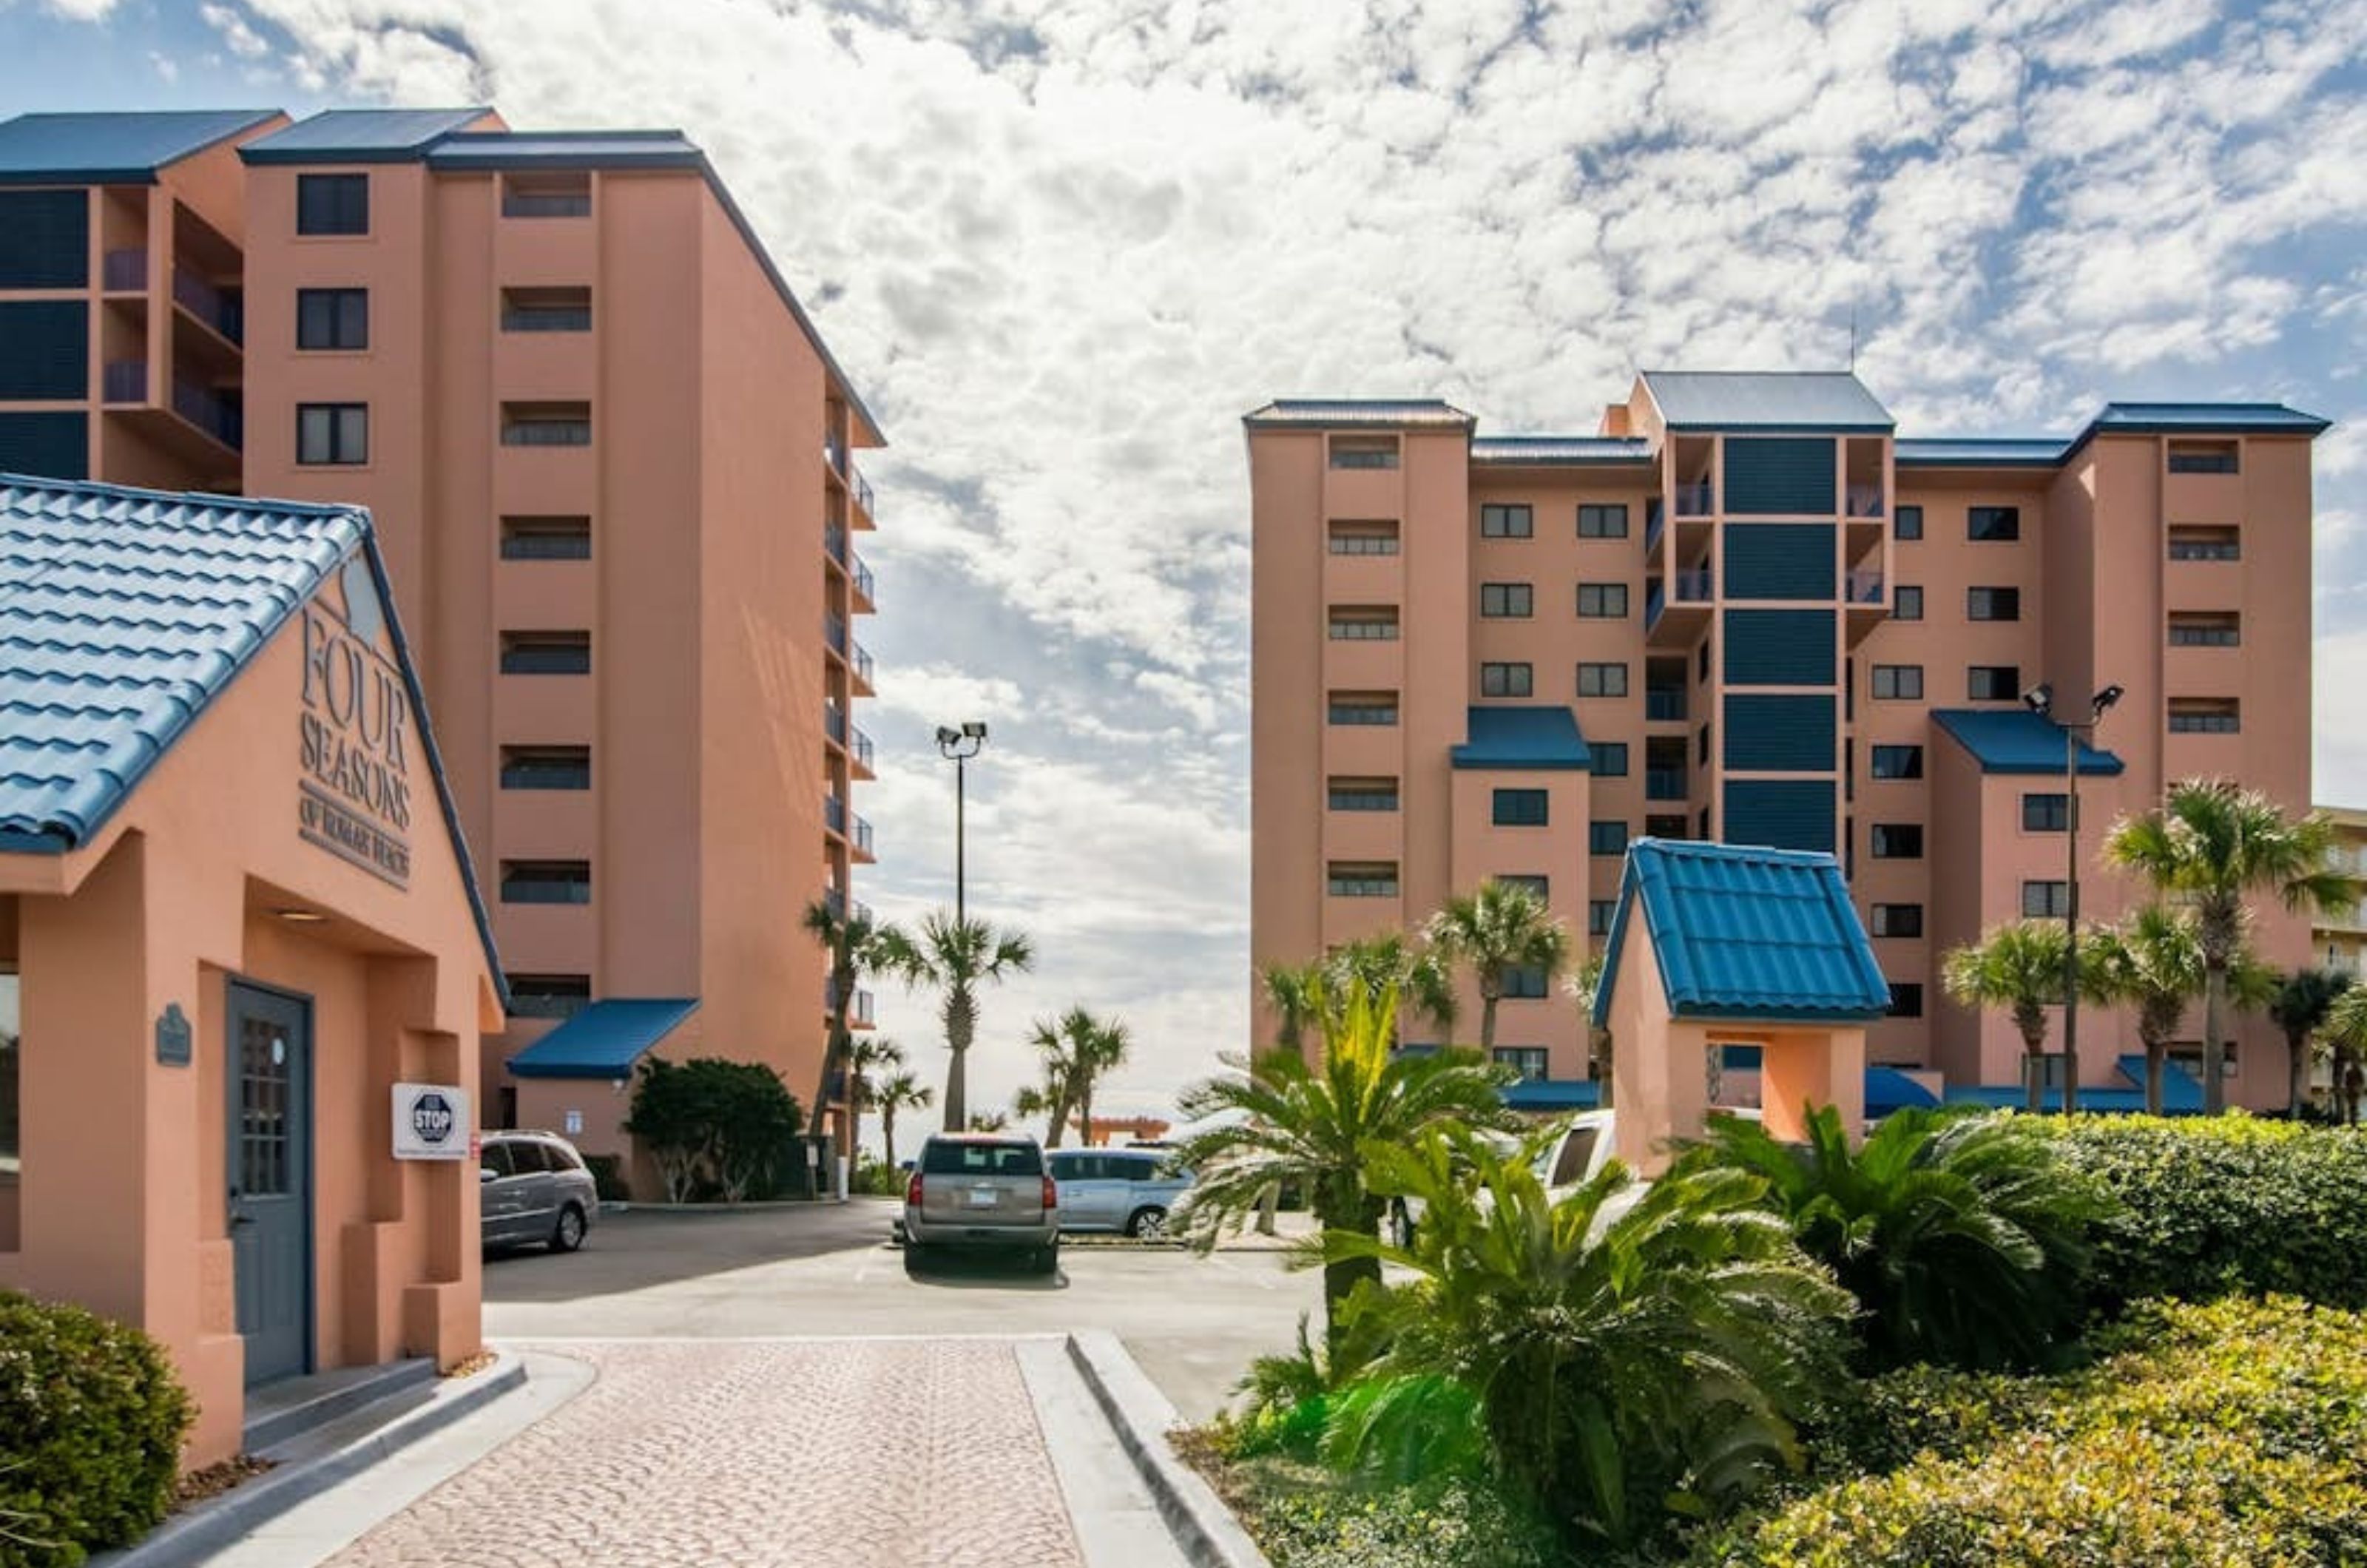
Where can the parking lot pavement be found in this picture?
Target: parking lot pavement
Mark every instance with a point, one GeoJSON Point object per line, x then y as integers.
{"type": "Point", "coordinates": [1193, 1322]}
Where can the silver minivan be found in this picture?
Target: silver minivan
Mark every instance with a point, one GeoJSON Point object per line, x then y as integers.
{"type": "Point", "coordinates": [981, 1190]}
{"type": "Point", "coordinates": [533, 1187]}
{"type": "Point", "coordinates": [1131, 1190]}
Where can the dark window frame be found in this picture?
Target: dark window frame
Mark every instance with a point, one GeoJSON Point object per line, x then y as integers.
{"type": "Point", "coordinates": [1987, 603]}
{"type": "Point", "coordinates": [1905, 681]}
{"type": "Point", "coordinates": [1901, 596]}
{"type": "Point", "coordinates": [1892, 840]}
{"type": "Point", "coordinates": [2003, 683]}
{"type": "Point", "coordinates": [1603, 594]}
{"type": "Point", "coordinates": [1895, 921]}
{"type": "Point", "coordinates": [1509, 807]}
{"type": "Point", "coordinates": [1511, 601]}
{"type": "Point", "coordinates": [333, 206]}
{"type": "Point", "coordinates": [1599, 669]}
{"type": "Point", "coordinates": [1503, 515]}
{"type": "Point", "coordinates": [1610, 759]}
{"type": "Point", "coordinates": [343, 314]}
{"type": "Point", "coordinates": [1603, 520]}
{"type": "Point", "coordinates": [1508, 678]}
{"type": "Point", "coordinates": [551, 767]}
{"type": "Point", "coordinates": [545, 653]}
{"type": "Point", "coordinates": [1907, 524]}
{"type": "Point", "coordinates": [1909, 766]}
{"type": "Point", "coordinates": [344, 421]}
{"type": "Point", "coordinates": [2045, 811]}
{"type": "Point", "coordinates": [1993, 525]}
{"type": "Point", "coordinates": [546, 882]}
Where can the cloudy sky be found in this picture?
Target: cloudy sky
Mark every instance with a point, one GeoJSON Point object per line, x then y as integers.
{"type": "Point", "coordinates": [1063, 246]}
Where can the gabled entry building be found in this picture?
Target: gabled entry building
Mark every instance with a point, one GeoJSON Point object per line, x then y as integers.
{"type": "Point", "coordinates": [244, 963]}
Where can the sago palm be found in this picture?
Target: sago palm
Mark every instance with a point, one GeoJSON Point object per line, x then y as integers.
{"type": "Point", "coordinates": [1286, 1121]}
{"type": "Point", "coordinates": [957, 957]}
{"type": "Point", "coordinates": [855, 946]}
{"type": "Point", "coordinates": [1625, 1355]}
{"type": "Point", "coordinates": [2017, 969]}
{"type": "Point", "coordinates": [1421, 976]}
{"type": "Point", "coordinates": [1963, 1237]}
{"type": "Point", "coordinates": [2212, 845]}
{"type": "Point", "coordinates": [1504, 926]}
{"type": "Point", "coordinates": [2153, 962]}
{"type": "Point", "coordinates": [2300, 1007]}
{"type": "Point", "coordinates": [898, 1093]}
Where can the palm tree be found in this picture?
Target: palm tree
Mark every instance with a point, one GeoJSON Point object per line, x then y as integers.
{"type": "Point", "coordinates": [987, 1120]}
{"type": "Point", "coordinates": [2017, 968]}
{"type": "Point", "coordinates": [1504, 926]}
{"type": "Point", "coordinates": [901, 1092]}
{"type": "Point", "coordinates": [957, 955]}
{"type": "Point", "coordinates": [2212, 844]}
{"type": "Point", "coordinates": [868, 1059]}
{"type": "Point", "coordinates": [1079, 1049]}
{"type": "Point", "coordinates": [854, 944]}
{"type": "Point", "coordinates": [1422, 976]}
{"type": "Point", "coordinates": [1583, 983]}
{"type": "Point", "coordinates": [2303, 1000]}
{"type": "Point", "coordinates": [1315, 1126]}
{"type": "Point", "coordinates": [2153, 962]}
{"type": "Point", "coordinates": [1290, 990]}
{"type": "Point", "coordinates": [1031, 1100]}
{"type": "Point", "coordinates": [2345, 1027]}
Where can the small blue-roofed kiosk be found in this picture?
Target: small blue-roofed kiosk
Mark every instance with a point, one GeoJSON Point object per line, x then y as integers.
{"type": "Point", "coordinates": [1712, 945]}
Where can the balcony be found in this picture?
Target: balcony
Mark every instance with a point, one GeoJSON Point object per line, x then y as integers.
{"type": "Point", "coordinates": [1664, 784]}
{"type": "Point", "coordinates": [834, 455]}
{"type": "Point", "coordinates": [1863, 586]}
{"type": "Point", "coordinates": [1864, 501]}
{"type": "Point", "coordinates": [1687, 592]}
{"type": "Point", "coordinates": [862, 488]}
{"type": "Point", "coordinates": [859, 657]}
{"type": "Point", "coordinates": [125, 381]}
{"type": "Point", "coordinates": [1664, 704]}
{"type": "Point", "coordinates": [833, 814]}
{"type": "Point", "coordinates": [861, 839]}
{"type": "Point", "coordinates": [225, 313]}
{"type": "Point", "coordinates": [859, 747]}
{"type": "Point", "coordinates": [216, 413]}
{"type": "Point", "coordinates": [834, 539]}
{"type": "Point", "coordinates": [124, 272]}
{"type": "Point", "coordinates": [834, 631]}
{"type": "Point", "coordinates": [834, 723]}
{"type": "Point", "coordinates": [1699, 500]}
{"type": "Point", "coordinates": [1656, 523]}
{"type": "Point", "coordinates": [858, 1013]}
{"type": "Point", "coordinates": [865, 589]}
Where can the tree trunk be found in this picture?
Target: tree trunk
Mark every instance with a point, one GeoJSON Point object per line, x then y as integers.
{"type": "Point", "coordinates": [1604, 1074]}
{"type": "Point", "coordinates": [2033, 1075]}
{"type": "Point", "coordinates": [843, 997]}
{"type": "Point", "coordinates": [961, 1022]}
{"type": "Point", "coordinates": [2215, 1036]}
{"type": "Point", "coordinates": [1085, 1114]}
{"type": "Point", "coordinates": [2297, 1089]}
{"type": "Point", "coordinates": [888, 1133]}
{"type": "Point", "coordinates": [2156, 1061]}
{"type": "Point", "coordinates": [1487, 1026]}
{"type": "Point", "coordinates": [1341, 1275]}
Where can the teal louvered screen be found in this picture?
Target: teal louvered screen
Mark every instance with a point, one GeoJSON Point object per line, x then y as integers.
{"type": "Point", "coordinates": [1779, 476]}
{"type": "Point", "coordinates": [52, 446]}
{"type": "Point", "coordinates": [1788, 734]}
{"type": "Point", "coordinates": [1780, 560]}
{"type": "Point", "coordinates": [44, 349]}
{"type": "Point", "coordinates": [44, 239]}
{"type": "Point", "coordinates": [1783, 814]}
{"type": "Point", "coordinates": [1778, 648]}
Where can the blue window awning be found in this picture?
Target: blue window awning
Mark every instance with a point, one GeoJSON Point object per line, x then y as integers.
{"type": "Point", "coordinates": [604, 1040]}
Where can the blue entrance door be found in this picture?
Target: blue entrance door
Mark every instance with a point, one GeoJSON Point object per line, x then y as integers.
{"type": "Point", "coordinates": [270, 1167]}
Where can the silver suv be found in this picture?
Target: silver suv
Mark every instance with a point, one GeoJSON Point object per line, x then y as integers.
{"type": "Point", "coordinates": [975, 1189]}
{"type": "Point", "coordinates": [532, 1187]}
{"type": "Point", "coordinates": [1117, 1189]}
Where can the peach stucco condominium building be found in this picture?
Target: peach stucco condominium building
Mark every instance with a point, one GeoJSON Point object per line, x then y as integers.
{"type": "Point", "coordinates": [609, 461]}
{"type": "Point", "coordinates": [1745, 609]}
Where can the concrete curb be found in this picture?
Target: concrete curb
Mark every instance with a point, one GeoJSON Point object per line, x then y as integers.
{"type": "Point", "coordinates": [1203, 1526]}
{"type": "Point", "coordinates": [192, 1536]}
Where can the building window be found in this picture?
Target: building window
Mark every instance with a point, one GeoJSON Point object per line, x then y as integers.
{"type": "Point", "coordinates": [332, 318]}
{"type": "Point", "coordinates": [1700, 663]}
{"type": "Point", "coordinates": [2203, 458]}
{"type": "Point", "coordinates": [2043, 813]}
{"type": "Point", "coordinates": [332, 434]}
{"type": "Point", "coordinates": [546, 310]}
{"type": "Point", "coordinates": [1607, 837]}
{"type": "Point", "coordinates": [12, 1075]}
{"type": "Point", "coordinates": [1897, 762]}
{"type": "Point", "coordinates": [546, 653]}
{"type": "Point", "coordinates": [1364, 623]}
{"type": "Point", "coordinates": [1905, 999]}
{"type": "Point", "coordinates": [1506, 601]}
{"type": "Point", "coordinates": [1907, 603]}
{"type": "Point", "coordinates": [1993, 683]}
{"type": "Point", "coordinates": [545, 767]}
{"type": "Point", "coordinates": [545, 538]}
{"type": "Point", "coordinates": [1602, 521]}
{"type": "Point", "coordinates": [1507, 680]}
{"type": "Point", "coordinates": [1908, 524]}
{"type": "Point", "coordinates": [1897, 921]}
{"type": "Point", "coordinates": [333, 204]}
{"type": "Point", "coordinates": [1364, 452]}
{"type": "Point", "coordinates": [1602, 601]}
{"type": "Point", "coordinates": [546, 424]}
{"type": "Point", "coordinates": [550, 996]}
{"type": "Point", "coordinates": [2204, 716]}
{"type": "Point", "coordinates": [1993, 604]}
{"type": "Point", "coordinates": [1364, 539]}
{"type": "Point", "coordinates": [1896, 840]}
{"type": "Point", "coordinates": [1900, 683]}
{"type": "Point", "coordinates": [1507, 522]}
{"type": "Point", "coordinates": [2207, 542]}
{"type": "Point", "coordinates": [1532, 885]}
{"type": "Point", "coordinates": [1522, 983]}
{"type": "Point", "coordinates": [1527, 1061]}
{"type": "Point", "coordinates": [2206, 628]}
{"type": "Point", "coordinates": [1610, 759]}
{"type": "Point", "coordinates": [1363, 795]}
{"type": "Point", "coordinates": [1993, 525]}
{"type": "Point", "coordinates": [546, 882]}
{"type": "Point", "coordinates": [1378, 709]}
{"type": "Point", "coordinates": [1520, 809]}
{"type": "Point", "coordinates": [2045, 900]}
{"type": "Point", "coordinates": [1603, 680]}
{"type": "Point", "coordinates": [1598, 916]}
{"type": "Point", "coordinates": [1363, 879]}
{"type": "Point", "coordinates": [565, 193]}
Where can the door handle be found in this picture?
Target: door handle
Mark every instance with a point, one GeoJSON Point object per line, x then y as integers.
{"type": "Point", "coordinates": [238, 1215]}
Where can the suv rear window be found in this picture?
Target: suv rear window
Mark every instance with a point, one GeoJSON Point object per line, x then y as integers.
{"type": "Point", "coordinates": [982, 1159]}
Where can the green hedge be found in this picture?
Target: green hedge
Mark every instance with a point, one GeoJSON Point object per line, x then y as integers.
{"type": "Point", "coordinates": [2230, 1435]}
{"type": "Point", "coordinates": [91, 1422]}
{"type": "Point", "coordinates": [2228, 1204]}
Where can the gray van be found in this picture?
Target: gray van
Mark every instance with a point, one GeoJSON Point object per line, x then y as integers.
{"type": "Point", "coordinates": [1128, 1190]}
{"type": "Point", "coordinates": [533, 1187]}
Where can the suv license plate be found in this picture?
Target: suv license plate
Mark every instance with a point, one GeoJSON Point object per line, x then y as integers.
{"type": "Point", "coordinates": [983, 1199]}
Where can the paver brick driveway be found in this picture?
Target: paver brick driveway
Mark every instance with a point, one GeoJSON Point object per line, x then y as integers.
{"type": "Point", "coordinates": [852, 1453]}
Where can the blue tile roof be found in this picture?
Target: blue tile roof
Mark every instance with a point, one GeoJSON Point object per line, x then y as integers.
{"type": "Point", "coordinates": [2182, 1095]}
{"type": "Point", "coordinates": [1741, 932]}
{"type": "Point", "coordinates": [1553, 1094]}
{"type": "Point", "coordinates": [112, 148]}
{"type": "Point", "coordinates": [1558, 451]}
{"type": "Point", "coordinates": [1543, 737]}
{"type": "Point", "coordinates": [2016, 740]}
{"type": "Point", "coordinates": [1317, 413]}
{"type": "Point", "coordinates": [124, 613]}
{"type": "Point", "coordinates": [604, 1040]}
{"type": "Point", "coordinates": [1745, 399]}
{"type": "Point", "coordinates": [360, 136]}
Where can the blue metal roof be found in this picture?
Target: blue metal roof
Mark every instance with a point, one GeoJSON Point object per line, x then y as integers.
{"type": "Point", "coordinates": [1742, 932]}
{"type": "Point", "coordinates": [1558, 451]}
{"type": "Point", "coordinates": [2016, 740]}
{"type": "Point", "coordinates": [1543, 737]}
{"type": "Point", "coordinates": [2242, 419]}
{"type": "Point", "coordinates": [1750, 400]}
{"type": "Point", "coordinates": [1553, 1094]}
{"type": "Point", "coordinates": [2005, 452]}
{"type": "Point", "coordinates": [360, 136]}
{"type": "Point", "coordinates": [1317, 413]}
{"type": "Point", "coordinates": [105, 148]}
{"type": "Point", "coordinates": [565, 148]}
{"type": "Point", "coordinates": [1888, 1089]}
{"type": "Point", "coordinates": [124, 613]}
{"type": "Point", "coordinates": [604, 1040]}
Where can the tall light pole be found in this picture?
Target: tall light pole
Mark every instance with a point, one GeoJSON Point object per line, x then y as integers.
{"type": "Point", "coordinates": [2039, 699]}
{"type": "Point", "coordinates": [960, 745]}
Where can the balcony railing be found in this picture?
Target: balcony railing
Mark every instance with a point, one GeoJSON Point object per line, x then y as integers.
{"type": "Point", "coordinates": [1693, 587]}
{"type": "Point", "coordinates": [834, 455]}
{"type": "Point", "coordinates": [549, 204]}
{"type": "Point", "coordinates": [213, 412]}
{"type": "Point", "coordinates": [862, 836]}
{"type": "Point", "coordinates": [833, 813]}
{"type": "Point", "coordinates": [1664, 703]}
{"type": "Point", "coordinates": [862, 489]}
{"type": "Point", "coordinates": [1664, 784]}
{"type": "Point", "coordinates": [859, 744]}
{"type": "Point", "coordinates": [864, 586]}
{"type": "Point", "coordinates": [1656, 523]}
{"type": "Point", "coordinates": [834, 539]}
{"type": "Point", "coordinates": [1696, 500]}
{"type": "Point", "coordinates": [1864, 501]}
{"type": "Point", "coordinates": [1864, 586]}
{"type": "Point", "coordinates": [860, 657]}
{"type": "Point", "coordinates": [125, 381]}
{"type": "Point", "coordinates": [833, 630]}
{"type": "Point", "coordinates": [226, 313]}
{"type": "Point", "coordinates": [124, 271]}
{"type": "Point", "coordinates": [834, 723]}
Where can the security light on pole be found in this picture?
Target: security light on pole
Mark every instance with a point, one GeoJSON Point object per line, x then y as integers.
{"type": "Point", "coordinates": [2040, 700]}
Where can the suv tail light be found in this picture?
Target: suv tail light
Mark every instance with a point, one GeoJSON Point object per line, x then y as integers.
{"type": "Point", "coordinates": [913, 1190]}
{"type": "Point", "coordinates": [1051, 1195]}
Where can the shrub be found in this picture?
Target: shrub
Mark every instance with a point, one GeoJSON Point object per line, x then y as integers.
{"type": "Point", "coordinates": [717, 1128]}
{"type": "Point", "coordinates": [609, 1177]}
{"type": "Point", "coordinates": [1304, 1516]}
{"type": "Point", "coordinates": [91, 1422]}
{"type": "Point", "coordinates": [2227, 1204]}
